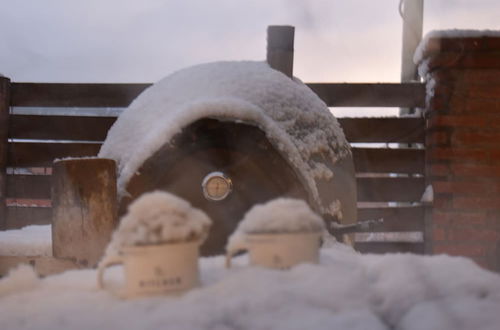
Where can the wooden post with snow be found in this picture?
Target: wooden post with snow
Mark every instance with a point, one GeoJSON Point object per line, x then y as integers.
{"type": "Point", "coordinates": [4, 142]}
{"type": "Point", "coordinates": [280, 39]}
{"type": "Point", "coordinates": [412, 13]}
{"type": "Point", "coordinates": [84, 208]}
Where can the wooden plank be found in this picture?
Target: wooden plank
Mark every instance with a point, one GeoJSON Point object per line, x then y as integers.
{"type": "Point", "coordinates": [389, 247]}
{"type": "Point", "coordinates": [369, 189]}
{"type": "Point", "coordinates": [4, 144]}
{"type": "Point", "coordinates": [74, 95]}
{"type": "Point", "coordinates": [43, 154]}
{"type": "Point", "coordinates": [390, 189]}
{"type": "Point", "coordinates": [384, 130]}
{"type": "Point", "coordinates": [29, 186]}
{"type": "Point", "coordinates": [396, 219]}
{"type": "Point", "coordinates": [121, 95]}
{"type": "Point", "coordinates": [384, 160]}
{"type": "Point", "coordinates": [280, 41]}
{"type": "Point", "coordinates": [59, 127]}
{"type": "Point", "coordinates": [411, 95]}
{"type": "Point", "coordinates": [43, 265]}
{"type": "Point", "coordinates": [18, 217]}
{"type": "Point", "coordinates": [386, 237]}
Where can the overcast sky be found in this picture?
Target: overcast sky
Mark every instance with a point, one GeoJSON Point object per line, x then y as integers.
{"type": "Point", "coordinates": [142, 41]}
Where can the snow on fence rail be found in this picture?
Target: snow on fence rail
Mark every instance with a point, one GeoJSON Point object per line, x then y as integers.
{"type": "Point", "coordinates": [35, 140]}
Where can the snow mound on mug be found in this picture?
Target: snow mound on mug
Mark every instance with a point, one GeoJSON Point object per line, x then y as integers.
{"type": "Point", "coordinates": [280, 215]}
{"type": "Point", "coordinates": [160, 217]}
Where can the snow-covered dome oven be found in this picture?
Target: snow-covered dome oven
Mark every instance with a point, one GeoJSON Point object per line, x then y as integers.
{"type": "Point", "coordinates": [228, 135]}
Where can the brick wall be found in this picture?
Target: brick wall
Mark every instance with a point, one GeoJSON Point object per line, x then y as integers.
{"type": "Point", "coordinates": [463, 146]}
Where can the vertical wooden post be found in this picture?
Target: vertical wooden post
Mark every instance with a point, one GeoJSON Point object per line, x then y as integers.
{"type": "Point", "coordinates": [4, 142]}
{"type": "Point", "coordinates": [280, 41]}
{"type": "Point", "coordinates": [84, 208]}
{"type": "Point", "coordinates": [412, 12]}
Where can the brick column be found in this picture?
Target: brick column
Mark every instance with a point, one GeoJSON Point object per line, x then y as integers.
{"type": "Point", "coordinates": [463, 146]}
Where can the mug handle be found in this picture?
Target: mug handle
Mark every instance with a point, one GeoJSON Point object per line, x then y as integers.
{"type": "Point", "coordinates": [105, 263]}
{"type": "Point", "coordinates": [231, 251]}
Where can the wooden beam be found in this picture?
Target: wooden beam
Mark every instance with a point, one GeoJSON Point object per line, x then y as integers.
{"type": "Point", "coordinates": [366, 160]}
{"type": "Point", "coordinates": [384, 130]}
{"type": "Point", "coordinates": [32, 154]}
{"type": "Point", "coordinates": [384, 160]}
{"type": "Point", "coordinates": [18, 217]}
{"type": "Point", "coordinates": [28, 186]}
{"type": "Point", "coordinates": [121, 95]}
{"type": "Point", "coordinates": [74, 95]}
{"type": "Point", "coordinates": [73, 128]}
{"type": "Point", "coordinates": [370, 95]}
{"type": "Point", "coordinates": [280, 41]}
{"type": "Point", "coordinates": [396, 219]}
{"type": "Point", "coordinates": [4, 144]}
{"type": "Point", "coordinates": [378, 189]}
{"type": "Point", "coordinates": [389, 247]}
{"type": "Point", "coordinates": [390, 189]}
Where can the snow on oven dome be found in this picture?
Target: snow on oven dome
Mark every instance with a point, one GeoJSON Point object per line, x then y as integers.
{"type": "Point", "coordinates": [294, 119]}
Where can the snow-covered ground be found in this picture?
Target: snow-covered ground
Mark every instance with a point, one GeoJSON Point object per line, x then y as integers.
{"type": "Point", "coordinates": [34, 240]}
{"type": "Point", "coordinates": [345, 291]}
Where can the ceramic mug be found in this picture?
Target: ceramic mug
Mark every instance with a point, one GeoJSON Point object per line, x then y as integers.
{"type": "Point", "coordinates": [164, 269]}
{"type": "Point", "coordinates": [278, 251]}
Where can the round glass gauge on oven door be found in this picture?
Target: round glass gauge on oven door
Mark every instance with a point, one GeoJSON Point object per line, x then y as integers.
{"type": "Point", "coordinates": [216, 186]}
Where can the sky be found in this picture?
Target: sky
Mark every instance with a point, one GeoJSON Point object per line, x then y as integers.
{"type": "Point", "coordinates": [143, 41]}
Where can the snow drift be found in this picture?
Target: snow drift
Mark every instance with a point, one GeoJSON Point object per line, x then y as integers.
{"type": "Point", "coordinates": [345, 291]}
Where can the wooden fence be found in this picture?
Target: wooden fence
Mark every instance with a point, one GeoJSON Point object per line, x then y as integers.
{"type": "Point", "coordinates": [390, 178]}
